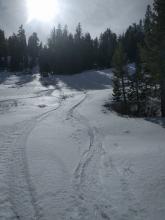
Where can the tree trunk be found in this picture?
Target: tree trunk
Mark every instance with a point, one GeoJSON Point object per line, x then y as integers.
{"type": "Point", "coordinates": [163, 97]}
{"type": "Point", "coordinates": [123, 90]}
{"type": "Point", "coordinates": [137, 94]}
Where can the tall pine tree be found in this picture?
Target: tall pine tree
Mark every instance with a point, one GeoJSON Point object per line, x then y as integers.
{"type": "Point", "coordinates": [33, 50]}
{"type": "Point", "coordinates": [119, 63]}
{"type": "Point", "coordinates": [159, 22]}
{"type": "Point", "coordinates": [3, 50]}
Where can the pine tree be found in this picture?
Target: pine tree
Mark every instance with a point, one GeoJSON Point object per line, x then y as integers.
{"type": "Point", "coordinates": [159, 21]}
{"type": "Point", "coordinates": [153, 55]}
{"type": "Point", "coordinates": [107, 45]}
{"type": "Point", "coordinates": [78, 34]}
{"type": "Point", "coordinates": [88, 60]}
{"type": "Point", "coordinates": [96, 52]}
{"type": "Point", "coordinates": [119, 63]}
{"type": "Point", "coordinates": [22, 48]}
{"type": "Point", "coordinates": [17, 49]}
{"type": "Point", "coordinates": [13, 45]}
{"type": "Point", "coordinates": [33, 49]}
{"type": "Point", "coordinates": [117, 93]}
{"type": "Point", "coordinates": [149, 47]}
{"type": "Point", "coordinates": [78, 49]}
{"type": "Point", "coordinates": [44, 61]}
{"type": "Point", "coordinates": [3, 50]}
{"type": "Point", "coordinates": [133, 36]}
{"type": "Point", "coordinates": [137, 92]}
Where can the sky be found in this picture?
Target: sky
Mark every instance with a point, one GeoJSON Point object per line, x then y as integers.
{"type": "Point", "coordinates": [94, 15]}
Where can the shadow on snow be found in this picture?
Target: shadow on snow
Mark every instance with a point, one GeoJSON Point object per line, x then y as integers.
{"type": "Point", "coordinates": [89, 80]}
{"type": "Point", "coordinates": [158, 121]}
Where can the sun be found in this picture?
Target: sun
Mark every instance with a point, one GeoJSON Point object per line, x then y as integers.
{"type": "Point", "coordinates": [42, 10]}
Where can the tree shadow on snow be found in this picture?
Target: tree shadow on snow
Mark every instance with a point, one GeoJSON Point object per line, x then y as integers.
{"type": "Point", "coordinates": [89, 80]}
{"type": "Point", "coordinates": [4, 76]}
{"type": "Point", "coordinates": [24, 79]}
{"type": "Point", "coordinates": [21, 78]}
{"type": "Point", "coordinates": [158, 121]}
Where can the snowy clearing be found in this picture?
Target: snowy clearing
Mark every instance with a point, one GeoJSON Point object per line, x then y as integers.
{"type": "Point", "coordinates": [64, 156]}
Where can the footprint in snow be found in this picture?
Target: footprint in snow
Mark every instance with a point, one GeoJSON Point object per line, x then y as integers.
{"type": "Point", "coordinates": [42, 106]}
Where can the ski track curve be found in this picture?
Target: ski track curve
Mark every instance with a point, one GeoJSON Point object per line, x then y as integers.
{"type": "Point", "coordinates": [85, 177]}
{"type": "Point", "coordinates": [91, 200]}
{"type": "Point", "coordinates": [39, 94]}
{"type": "Point", "coordinates": [17, 194]}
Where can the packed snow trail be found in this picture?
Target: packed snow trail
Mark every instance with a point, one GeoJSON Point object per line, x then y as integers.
{"type": "Point", "coordinates": [18, 196]}
{"type": "Point", "coordinates": [81, 193]}
{"type": "Point", "coordinates": [21, 190]}
{"type": "Point", "coordinates": [64, 156]}
{"type": "Point", "coordinates": [86, 177]}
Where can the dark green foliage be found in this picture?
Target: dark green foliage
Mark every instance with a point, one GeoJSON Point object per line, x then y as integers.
{"type": "Point", "coordinates": [133, 37]}
{"type": "Point", "coordinates": [3, 50]}
{"type": "Point", "coordinates": [15, 54]}
{"type": "Point", "coordinates": [159, 25]}
{"type": "Point", "coordinates": [13, 46]}
{"type": "Point", "coordinates": [33, 50]}
{"type": "Point", "coordinates": [17, 50]}
{"type": "Point", "coordinates": [95, 53]}
{"type": "Point", "coordinates": [45, 61]}
{"type": "Point", "coordinates": [144, 45]}
{"type": "Point", "coordinates": [107, 45]}
{"type": "Point", "coordinates": [153, 50]}
{"type": "Point", "coordinates": [117, 93]}
{"type": "Point", "coordinates": [22, 48]}
{"type": "Point", "coordinates": [64, 52]}
{"type": "Point", "coordinates": [119, 64]}
{"type": "Point", "coordinates": [70, 54]}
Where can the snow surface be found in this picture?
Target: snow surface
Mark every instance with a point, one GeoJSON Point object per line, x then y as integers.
{"type": "Point", "coordinates": [64, 156]}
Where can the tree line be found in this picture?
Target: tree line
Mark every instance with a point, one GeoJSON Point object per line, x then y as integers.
{"type": "Point", "coordinates": [64, 52]}
{"type": "Point", "coordinates": [16, 54]}
{"type": "Point", "coordinates": [142, 92]}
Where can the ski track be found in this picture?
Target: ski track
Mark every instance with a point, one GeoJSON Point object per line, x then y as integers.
{"type": "Point", "coordinates": [99, 188]}
{"type": "Point", "coordinates": [91, 200]}
{"type": "Point", "coordinates": [17, 194]}
{"type": "Point", "coordinates": [86, 202]}
{"type": "Point", "coordinates": [47, 92]}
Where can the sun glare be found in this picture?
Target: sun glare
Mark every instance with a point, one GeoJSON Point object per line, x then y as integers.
{"type": "Point", "coordinates": [42, 10]}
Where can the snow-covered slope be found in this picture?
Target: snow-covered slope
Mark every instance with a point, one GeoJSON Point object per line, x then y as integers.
{"type": "Point", "coordinates": [63, 156]}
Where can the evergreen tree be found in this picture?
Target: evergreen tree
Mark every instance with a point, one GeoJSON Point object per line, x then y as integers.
{"type": "Point", "coordinates": [117, 93]}
{"type": "Point", "coordinates": [13, 45]}
{"type": "Point", "coordinates": [17, 50]}
{"type": "Point", "coordinates": [78, 34]}
{"type": "Point", "coordinates": [22, 48]}
{"type": "Point", "coordinates": [44, 61]}
{"type": "Point", "coordinates": [159, 24]}
{"type": "Point", "coordinates": [33, 49]}
{"type": "Point", "coordinates": [138, 90]}
{"type": "Point", "coordinates": [107, 47]}
{"type": "Point", "coordinates": [119, 63]}
{"type": "Point", "coordinates": [78, 50]}
{"type": "Point", "coordinates": [88, 59]}
{"type": "Point", "coordinates": [3, 50]}
{"type": "Point", "coordinates": [96, 52]}
{"type": "Point", "coordinates": [133, 37]}
{"type": "Point", "coordinates": [152, 53]}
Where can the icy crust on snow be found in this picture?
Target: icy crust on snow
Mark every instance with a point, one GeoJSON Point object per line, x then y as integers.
{"type": "Point", "coordinates": [63, 156]}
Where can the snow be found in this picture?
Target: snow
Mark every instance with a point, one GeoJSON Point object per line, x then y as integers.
{"type": "Point", "coordinates": [64, 156]}
{"type": "Point", "coordinates": [131, 69]}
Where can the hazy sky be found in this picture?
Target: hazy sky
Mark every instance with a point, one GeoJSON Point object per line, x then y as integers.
{"type": "Point", "coordinates": [95, 15]}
